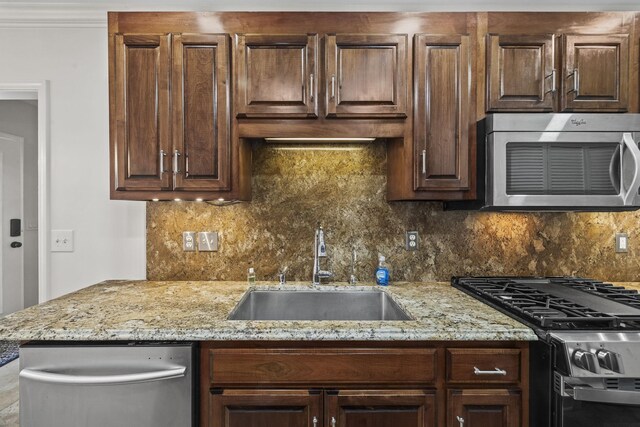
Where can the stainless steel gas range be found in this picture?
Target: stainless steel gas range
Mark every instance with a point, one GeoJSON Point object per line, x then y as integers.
{"type": "Point", "coordinates": [585, 369]}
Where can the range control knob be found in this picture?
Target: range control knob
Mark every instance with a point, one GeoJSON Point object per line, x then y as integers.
{"type": "Point", "coordinates": [610, 360]}
{"type": "Point", "coordinates": [586, 360]}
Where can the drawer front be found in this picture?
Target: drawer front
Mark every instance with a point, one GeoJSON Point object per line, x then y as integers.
{"type": "Point", "coordinates": [333, 367]}
{"type": "Point", "coordinates": [494, 365]}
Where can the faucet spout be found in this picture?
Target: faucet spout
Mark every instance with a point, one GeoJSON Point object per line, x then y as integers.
{"type": "Point", "coordinates": [319, 251]}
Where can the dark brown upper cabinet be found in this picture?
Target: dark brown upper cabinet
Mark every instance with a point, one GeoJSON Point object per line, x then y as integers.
{"type": "Point", "coordinates": [366, 75]}
{"type": "Point", "coordinates": [277, 75]}
{"type": "Point", "coordinates": [171, 106]}
{"type": "Point", "coordinates": [595, 72]}
{"type": "Point", "coordinates": [140, 137]}
{"type": "Point", "coordinates": [520, 73]}
{"type": "Point", "coordinates": [442, 91]}
{"type": "Point", "coordinates": [200, 112]}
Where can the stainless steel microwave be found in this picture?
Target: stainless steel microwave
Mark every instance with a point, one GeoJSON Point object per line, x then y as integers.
{"type": "Point", "coordinates": [529, 162]}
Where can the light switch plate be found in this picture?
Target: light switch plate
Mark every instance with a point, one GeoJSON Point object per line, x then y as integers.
{"type": "Point", "coordinates": [189, 241]}
{"type": "Point", "coordinates": [208, 241]}
{"type": "Point", "coordinates": [61, 240]}
{"type": "Point", "coordinates": [622, 242]}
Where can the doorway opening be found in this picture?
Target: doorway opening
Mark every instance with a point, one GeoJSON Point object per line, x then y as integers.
{"type": "Point", "coordinates": [24, 225]}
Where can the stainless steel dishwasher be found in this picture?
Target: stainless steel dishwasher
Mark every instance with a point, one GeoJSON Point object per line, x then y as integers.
{"type": "Point", "coordinates": [107, 385]}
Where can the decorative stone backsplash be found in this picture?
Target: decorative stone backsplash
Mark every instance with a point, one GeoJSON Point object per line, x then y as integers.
{"type": "Point", "coordinates": [344, 188]}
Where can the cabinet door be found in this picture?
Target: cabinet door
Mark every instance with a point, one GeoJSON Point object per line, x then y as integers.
{"type": "Point", "coordinates": [520, 73]}
{"type": "Point", "coordinates": [260, 408]}
{"type": "Point", "coordinates": [366, 75]}
{"type": "Point", "coordinates": [142, 142]}
{"type": "Point", "coordinates": [277, 75]}
{"type": "Point", "coordinates": [442, 88]}
{"type": "Point", "coordinates": [200, 102]}
{"type": "Point", "coordinates": [484, 408]}
{"type": "Point", "coordinates": [595, 72]}
{"type": "Point", "coordinates": [388, 408]}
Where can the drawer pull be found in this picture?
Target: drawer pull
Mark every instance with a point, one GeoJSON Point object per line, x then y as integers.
{"type": "Point", "coordinates": [315, 421]}
{"type": "Point", "coordinates": [333, 421]}
{"type": "Point", "coordinates": [497, 371]}
{"type": "Point", "coordinates": [460, 420]}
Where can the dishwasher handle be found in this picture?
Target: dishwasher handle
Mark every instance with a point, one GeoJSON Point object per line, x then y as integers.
{"type": "Point", "coordinates": [140, 377]}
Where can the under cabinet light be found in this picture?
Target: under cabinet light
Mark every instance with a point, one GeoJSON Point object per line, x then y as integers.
{"type": "Point", "coordinates": [155, 200]}
{"type": "Point", "coordinates": [221, 199]}
{"type": "Point", "coordinates": [177, 200]}
{"type": "Point", "coordinates": [198, 199]}
{"type": "Point", "coordinates": [319, 139]}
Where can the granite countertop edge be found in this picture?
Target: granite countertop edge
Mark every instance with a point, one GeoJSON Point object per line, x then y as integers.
{"type": "Point", "coordinates": [129, 310]}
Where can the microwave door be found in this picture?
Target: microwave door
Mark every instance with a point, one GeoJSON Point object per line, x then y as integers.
{"type": "Point", "coordinates": [562, 170]}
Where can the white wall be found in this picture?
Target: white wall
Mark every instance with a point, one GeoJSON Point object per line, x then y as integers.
{"type": "Point", "coordinates": [109, 235]}
{"type": "Point", "coordinates": [21, 119]}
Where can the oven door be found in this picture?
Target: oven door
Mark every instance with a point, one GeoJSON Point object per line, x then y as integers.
{"type": "Point", "coordinates": [586, 406]}
{"type": "Point", "coordinates": [573, 170]}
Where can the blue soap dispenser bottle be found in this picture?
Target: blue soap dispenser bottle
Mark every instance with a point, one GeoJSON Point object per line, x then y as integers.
{"type": "Point", "coordinates": [382, 272]}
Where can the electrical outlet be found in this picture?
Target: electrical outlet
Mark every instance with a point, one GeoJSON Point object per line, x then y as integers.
{"type": "Point", "coordinates": [61, 240]}
{"type": "Point", "coordinates": [411, 241]}
{"type": "Point", "coordinates": [622, 242]}
{"type": "Point", "coordinates": [208, 241]}
{"type": "Point", "coordinates": [189, 241]}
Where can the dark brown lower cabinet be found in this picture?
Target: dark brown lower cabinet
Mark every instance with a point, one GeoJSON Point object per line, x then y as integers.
{"type": "Point", "coordinates": [385, 408]}
{"type": "Point", "coordinates": [484, 408]}
{"type": "Point", "coordinates": [265, 408]}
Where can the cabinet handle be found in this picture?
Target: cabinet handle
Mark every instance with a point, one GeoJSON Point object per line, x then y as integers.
{"type": "Point", "coordinates": [333, 86]}
{"type": "Point", "coordinates": [162, 156]}
{"type": "Point", "coordinates": [497, 371]}
{"type": "Point", "coordinates": [186, 165]}
{"type": "Point", "coordinates": [176, 165]}
{"type": "Point", "coordinates": [311, 91]}
{"type": "Point", "coordinates": [576, 82]}
{"type": "Point", "coordinates": [333, 421]}
{"type": "Point", "coordinates": [553, 82]}
{"type": "Point", "coordinates": [460, 420]}
{"type": "Point", "coordinates": [315, 421]}
{"type": "Point", "coordinates": [424, 162]}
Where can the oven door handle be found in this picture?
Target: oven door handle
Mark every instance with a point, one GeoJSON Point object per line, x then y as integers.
{"type": "Point", "coordinates": [620, 397]}
{"type": "Point", "coordinates": [632, 192]}
{"type": "Point", "coordinates": [140, 377]}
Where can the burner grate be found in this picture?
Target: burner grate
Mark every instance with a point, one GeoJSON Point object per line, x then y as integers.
{"type": "Point", "coordinates": [516, 296]}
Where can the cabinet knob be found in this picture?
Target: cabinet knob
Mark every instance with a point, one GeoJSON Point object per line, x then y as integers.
{"type": "Point", "coordinates": [333, 421]}
{"type": "Point", "coordinates": [333, 87]}
{"type": "Point", "coordinates": [311, 91]}
{"type": "Point", "coordinates": [460, 420]}
{"type": "Point", "coordinates": [315, 421]}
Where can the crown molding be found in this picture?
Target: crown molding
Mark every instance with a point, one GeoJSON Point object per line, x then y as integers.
{"type": "Point", "coordinates": [93, 14]}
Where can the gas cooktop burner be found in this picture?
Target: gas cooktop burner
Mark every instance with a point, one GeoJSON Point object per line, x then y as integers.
{"type": "Point", "coordinates": [558, 302]}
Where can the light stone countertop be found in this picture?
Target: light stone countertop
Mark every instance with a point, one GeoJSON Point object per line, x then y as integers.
{"type": "Point", "coordinates": [198, 310]}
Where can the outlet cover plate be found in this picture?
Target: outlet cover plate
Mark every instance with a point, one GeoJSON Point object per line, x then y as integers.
{"type": "Point", "coordinates": [622, 242]}
{"type": "Point", "coordinates": [411, 241]}
{"type": "Point", "coordinates": [189, 241]}
{"type": "Point", "coordinates": [208, 241]}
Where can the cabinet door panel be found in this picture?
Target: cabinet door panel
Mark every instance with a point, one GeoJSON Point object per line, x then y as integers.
{"type": "Point", "coordinates": [387, 408]}
{"type": "Point", "coordinates": [277, 75]}
{"type": "Point", "coordinates": [596, 72]}
{"type": "Point", "coordinates": [484, 408]}
{"type": "Point", "coordinates": [142, 112]}
{"type": "Point", "coordinates": [366, 75]}
{"type": "Point", "coordinates": [200, 112]}
{"type": "Point", "coordinates": [520, 72]}
{"type": "Point", "coordinates": [442, 112]}
{"type": "Point", "coordinates": [263, 408]}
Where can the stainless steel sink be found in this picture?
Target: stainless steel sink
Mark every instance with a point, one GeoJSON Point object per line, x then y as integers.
{"type": "Point", "coordinates": [317, 305]}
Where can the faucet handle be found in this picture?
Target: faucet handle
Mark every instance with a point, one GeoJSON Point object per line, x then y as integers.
{"type": "Point", "coordinates": [282, 275]}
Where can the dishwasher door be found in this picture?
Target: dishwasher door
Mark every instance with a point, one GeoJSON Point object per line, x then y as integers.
{"type": "Point", "coordinates": [107, 385]}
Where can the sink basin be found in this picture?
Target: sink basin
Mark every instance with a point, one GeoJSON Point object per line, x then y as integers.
{"type": "Point", "coordinates": [317, 305]}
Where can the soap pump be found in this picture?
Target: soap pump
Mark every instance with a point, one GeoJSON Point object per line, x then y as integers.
{"type": "Point", "coordinates": [382, 272]}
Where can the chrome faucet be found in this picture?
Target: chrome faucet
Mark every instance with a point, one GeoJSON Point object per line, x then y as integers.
{"type": "Point", "coordinates": [319, 251]}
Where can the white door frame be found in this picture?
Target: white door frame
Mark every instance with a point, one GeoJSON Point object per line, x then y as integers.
{"type": "Point", "coordinates": [20, 141]}
{"type": "Point", "coordinates": [39, 91]}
